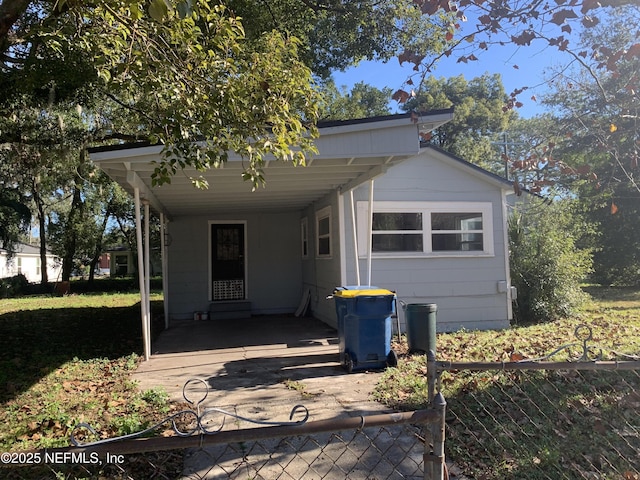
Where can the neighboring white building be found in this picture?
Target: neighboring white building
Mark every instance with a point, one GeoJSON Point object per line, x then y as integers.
{"type": "Point", "coordinates": [26, 261]}
{"type": "Point", "coordinates": [438, 232]}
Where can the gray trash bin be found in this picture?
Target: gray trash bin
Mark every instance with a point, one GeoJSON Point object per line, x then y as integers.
{"type": "Point", "coordinates": [421, 326]}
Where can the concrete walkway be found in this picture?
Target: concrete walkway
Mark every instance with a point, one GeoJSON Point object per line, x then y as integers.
{"type": "Point", "coordinates": [260, 367]}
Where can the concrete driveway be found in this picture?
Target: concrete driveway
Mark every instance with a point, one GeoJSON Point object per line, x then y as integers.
{"type": "Point", "coordinates": [260, 367]}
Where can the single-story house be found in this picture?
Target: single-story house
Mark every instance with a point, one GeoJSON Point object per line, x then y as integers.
{"type": "Point", "coordinates": [26, 261]}
{"type": "Point", "coordinates": [372, 207]}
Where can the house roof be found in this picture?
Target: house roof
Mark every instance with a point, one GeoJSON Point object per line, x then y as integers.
{"type": "Point", "coordinates": [26, 250]}
{"type": "Point", "coordinates": [349, 153]}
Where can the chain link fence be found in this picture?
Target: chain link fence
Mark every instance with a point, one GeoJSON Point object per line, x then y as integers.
{"type": "Point", "coordinates": [560, 422]}
{"type": "Point", "coordinates": [383, 446]}
{"type": "Point", "coordinates": [521, 420]}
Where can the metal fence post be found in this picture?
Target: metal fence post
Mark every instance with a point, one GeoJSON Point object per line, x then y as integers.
{"type": "Point", "coordinates": [434, 466]}
{"type": "Point", "coordinates": [434, 461]}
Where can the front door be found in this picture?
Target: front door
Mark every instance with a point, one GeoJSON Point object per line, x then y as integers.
{"type": "Point", "coordinates": [227, 261]}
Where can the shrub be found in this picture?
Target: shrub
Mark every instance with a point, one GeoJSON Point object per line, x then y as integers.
{"type": "Point", "coordinates": [13, 286]}
{"type": "Point", "coordinates": [547, 267]}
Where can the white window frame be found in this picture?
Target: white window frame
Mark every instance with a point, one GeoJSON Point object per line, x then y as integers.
{"type": "Point", "coordinates": [426, 209]}
{"type": "Point", "coordinates": [324, 213]}
{"type": "Point", "coordinates": [304, 237]}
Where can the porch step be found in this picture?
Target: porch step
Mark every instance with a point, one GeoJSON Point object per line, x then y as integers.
{"type": "Point", "coordinates": [229, 310]}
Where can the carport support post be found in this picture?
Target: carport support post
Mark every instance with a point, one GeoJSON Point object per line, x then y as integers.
{"type": "Point", "coordinates": [147, 271]}
{"type": "Point", "coordinates": [164, 227]}
{"type": "Point", "coordinates": [355, 237]}
{"type": "Point", "coordinates": [370, 233]}
{"type": "Point", "coordinates": [144, 314]}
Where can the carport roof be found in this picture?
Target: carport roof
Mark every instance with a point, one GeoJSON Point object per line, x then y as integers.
{"type": "Point", "coordinates": [349, 153]}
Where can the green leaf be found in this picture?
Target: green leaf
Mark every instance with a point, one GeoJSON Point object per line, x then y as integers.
{"type": "Point", "coordinates": [185, 8]}
{"type": "Point", "coordinates": [158, 10]}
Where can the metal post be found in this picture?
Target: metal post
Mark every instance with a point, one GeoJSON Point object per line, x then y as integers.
{"type": "Point", "coordinates": [434, 462]}
{"type": "Point", "coordinates": [370, 233]}
{"type": "Point", "coordinates": [164, 227]}
{"type": "Point", "coordinates": [141, 281]}
{"type": "Point", "coordinates": [355, 237]}
{"type": "Point", "coordinates": [147, 274]}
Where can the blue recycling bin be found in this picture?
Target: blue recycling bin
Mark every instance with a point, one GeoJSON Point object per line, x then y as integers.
{"type": "Point", "coordinates": [364, 327]}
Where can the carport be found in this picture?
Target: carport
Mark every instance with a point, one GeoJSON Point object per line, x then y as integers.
{"type": "Point", "coordinates": [350, 153]}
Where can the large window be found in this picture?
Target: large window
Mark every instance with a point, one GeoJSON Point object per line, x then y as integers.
{"type": "Point", "coordinates": [427, 228]}
{"type": "Point", "coordinates": [323, 233]}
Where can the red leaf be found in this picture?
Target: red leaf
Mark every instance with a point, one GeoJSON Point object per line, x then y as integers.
{"type": "Point", "coordinates": [449, 36]}
{"type": "Point", "coordinates": [561, 16]}
{"type": "Point", "coordinates": [533, 97]}
{"type": "Point", "coordinates": [516, 357]}
{"type": "Point", "coordinates": [614, 208]}
{"type": "Point", "coordinates": [589, 22]}
{"type": "Point", "coordinates": [590, 5]}
{"type": "Point", "coordinates": [633, 51]}
{"type": "Point", "coordinates": [401, 96]}
{"type": "Point", "coordinates": [484, 19]}
{"type": "Point", "coordinates": [566, 28]}
{"type": "Point", "coordinates": [524, 38]}
{"type": "Point", "coordinates": [516, 67]}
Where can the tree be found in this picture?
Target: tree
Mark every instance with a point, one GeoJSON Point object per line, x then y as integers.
{"type": "Point", "coordinates": [478, 116]}
{"type": "Point", "coordinates": [363, 101]}
{"type": "Point", "coordinates": [180, 72]}
{"type": "Point", "coordinates": [547, 267]}
{"type": "Point", "coordinates": [337, 35]}
{"type": "Point", "coordinates": [523, 23]}
{"type": "Point", "coordinates": [592, 147]}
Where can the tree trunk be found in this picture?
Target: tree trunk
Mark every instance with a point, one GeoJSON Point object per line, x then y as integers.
{"type": "Point", "coordinates": [44, 274]}
{"type": "Point", "coordinates": [71, 236]}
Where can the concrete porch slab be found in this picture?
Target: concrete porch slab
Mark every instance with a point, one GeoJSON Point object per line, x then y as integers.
{"type": "Point", "coordinates": [260, 367]}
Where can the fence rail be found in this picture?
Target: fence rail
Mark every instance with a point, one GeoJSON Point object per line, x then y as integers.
{"type": "Point", "coordinates": [382, 446]}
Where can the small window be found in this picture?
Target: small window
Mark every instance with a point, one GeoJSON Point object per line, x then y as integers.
{"type": "Point", "coordinates": [456, 232]}
{"type": "Point", "coordinates": [323, 232]}
{"type": "Point", "coordinates": [397, 232]}
{"type": "Point", "coordinates": [304, 237]}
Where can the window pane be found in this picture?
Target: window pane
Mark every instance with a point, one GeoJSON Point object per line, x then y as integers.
{"type": "Point", "coordinates": [459, 242]}
{"type": "Point", "coordinates": [397, 221]}
{"type": "Point", "coordinates": [324, 246]}
{"type": "Point", "coordinates": [323, 226]}
{"type": "Point", "coordinates": [456, 221]}
{"type": "Point", "coordinates": [396, 243]}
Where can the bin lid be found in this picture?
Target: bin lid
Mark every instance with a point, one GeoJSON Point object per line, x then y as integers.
{"type": "Point", "coordinates": [351, 292]}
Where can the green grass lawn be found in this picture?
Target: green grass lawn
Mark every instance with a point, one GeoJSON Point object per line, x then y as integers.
{"type": "Point", "coordinates": [530, 425]}
{"type": "Point", "coordinates": [65, 360]}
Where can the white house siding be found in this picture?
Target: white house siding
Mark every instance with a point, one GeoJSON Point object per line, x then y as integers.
{"type": "Point", "coordinates": [322, 275]}
{"type": "Point", "coordinates": [274, 276]}
{"type": "Point", "coordinates": [470, 291]}
{"type": "Point", "coordinates": [26, 261]}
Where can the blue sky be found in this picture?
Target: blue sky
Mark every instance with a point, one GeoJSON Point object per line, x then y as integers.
{"type": "Point", "coordinates": [531, 62]}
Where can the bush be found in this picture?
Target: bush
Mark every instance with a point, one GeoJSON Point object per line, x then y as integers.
{"type": "Point", "coordinates": [13, 286]}
{"type": "Point", "coordinates": [547, 267]}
